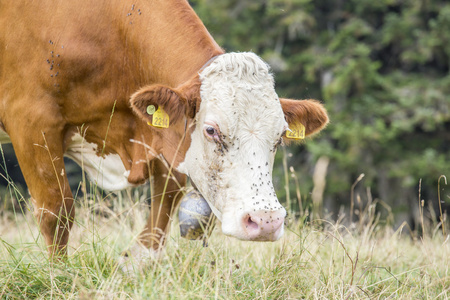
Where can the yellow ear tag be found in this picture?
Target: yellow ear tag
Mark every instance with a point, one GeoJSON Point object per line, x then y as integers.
{"type": "Point", "coordinates": [160, 118]}
{"type": "Point", "coordinates": [296, 131]}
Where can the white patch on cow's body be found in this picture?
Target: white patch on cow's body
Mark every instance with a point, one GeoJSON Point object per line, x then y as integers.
{"type": "Point", "coordinates": [235, 176]}
{"type": "Point", "coordinates": [107, 171]}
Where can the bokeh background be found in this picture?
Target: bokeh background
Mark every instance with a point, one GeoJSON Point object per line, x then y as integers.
{"type": "Point", "coordinates": [381, 68]}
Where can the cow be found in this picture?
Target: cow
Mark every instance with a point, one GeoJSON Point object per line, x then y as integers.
{"type": "Point", "coordinates": [133, 90]}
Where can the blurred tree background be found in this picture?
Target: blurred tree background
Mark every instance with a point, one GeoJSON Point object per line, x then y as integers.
{"type": "Point", "coordinates": [382, 69]}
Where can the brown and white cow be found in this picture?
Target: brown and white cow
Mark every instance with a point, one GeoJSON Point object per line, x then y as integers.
{"type": "Point", "coordinates": [82, 79]}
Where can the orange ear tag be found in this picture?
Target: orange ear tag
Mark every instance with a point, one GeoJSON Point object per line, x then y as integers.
{"type": "Point", "coordinates": [296, 131]}
{"type": "Point", "coordinates": [160, 118]}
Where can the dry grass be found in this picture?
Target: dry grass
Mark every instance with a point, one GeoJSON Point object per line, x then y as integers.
{"type": "Point", "coordinates": [310, 262]}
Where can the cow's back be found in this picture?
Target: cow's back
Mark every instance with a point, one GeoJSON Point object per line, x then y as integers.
{"type": "Point", "coordinates": [56, 52]}
{"type": "Point", "coordinates": [91, 55]}
{"type": "Point", "coordinates": [70, 67]}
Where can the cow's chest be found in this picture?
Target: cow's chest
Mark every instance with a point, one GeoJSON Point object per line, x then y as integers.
{"type": "Point", "coordinates": [107, 171]}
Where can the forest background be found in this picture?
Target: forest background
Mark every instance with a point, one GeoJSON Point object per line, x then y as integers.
{"type": "Point", "coordinates": [381, 68]}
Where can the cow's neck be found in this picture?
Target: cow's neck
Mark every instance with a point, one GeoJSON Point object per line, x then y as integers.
{"type": "Point", "coordinates": [170, 51]}
{"type": "Point", "coordinates": [173, 47]}
{"type": "Point", "coordinates": [161, 42]}
{"type": "Point", "coordinates": [169, 145]}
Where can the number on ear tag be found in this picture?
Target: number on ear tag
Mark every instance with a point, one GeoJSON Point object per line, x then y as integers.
{"type": "Point", "coordinates": [296, 132]}
{"type": "Point", "coordinates": [160, 118]}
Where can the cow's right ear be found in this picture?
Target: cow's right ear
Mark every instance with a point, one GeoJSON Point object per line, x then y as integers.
{"type": "Point", "coordinates": [176, 102]}
{"type": "Point", "coordinates": [310, 113]}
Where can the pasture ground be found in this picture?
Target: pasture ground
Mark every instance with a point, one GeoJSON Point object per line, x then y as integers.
{"type": "Point", "coordinates": [312, 261]}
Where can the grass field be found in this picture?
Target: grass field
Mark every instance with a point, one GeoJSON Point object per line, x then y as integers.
{"type": "Point", "coordinates": [312, 261]}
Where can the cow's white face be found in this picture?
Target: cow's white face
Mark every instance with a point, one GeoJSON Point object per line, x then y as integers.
{"type": "Point", "coordinates": [238, 123]}
{"type": "Point", "coordinates": [238, 128]}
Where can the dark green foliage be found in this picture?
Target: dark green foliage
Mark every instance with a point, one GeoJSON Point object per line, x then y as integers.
{"type": "Point", "coordinates": [382, 68]}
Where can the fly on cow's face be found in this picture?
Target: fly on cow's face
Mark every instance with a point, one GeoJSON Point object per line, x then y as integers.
{"type": "Point", "coordinates": [278, 143]}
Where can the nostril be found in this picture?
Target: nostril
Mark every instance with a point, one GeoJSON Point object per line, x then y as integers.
{"type": "Point", "coordinates": [250, 224]}
{"type": "Point", "coordinates": [262, 225]}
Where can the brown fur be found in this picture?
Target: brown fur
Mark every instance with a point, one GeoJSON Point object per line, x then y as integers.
{"type": "Point", "coordinates": [177, 102]}
{"type": "Point", "coordinates": [308, 112]}
{"type": "Point", "coordinates": [70, 67]}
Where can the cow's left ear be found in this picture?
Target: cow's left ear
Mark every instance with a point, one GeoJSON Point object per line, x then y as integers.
{"type": "Point", "coordinates": [310, 113]}
{"type": "Point", "coordinates": [176, 102]}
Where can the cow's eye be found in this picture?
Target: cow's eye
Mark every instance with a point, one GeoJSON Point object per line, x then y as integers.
{"type": "Point", "coordinates": [211, 133]}
{"type": "Point", "coordinates": [210, 130]}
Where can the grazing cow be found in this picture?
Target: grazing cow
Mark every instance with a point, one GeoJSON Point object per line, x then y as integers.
{"type": "Point", "coordinates": [132, 89]}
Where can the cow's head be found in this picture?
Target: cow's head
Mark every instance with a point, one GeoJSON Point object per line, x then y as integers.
{"type": "Point", "coordinates": [239, 122]}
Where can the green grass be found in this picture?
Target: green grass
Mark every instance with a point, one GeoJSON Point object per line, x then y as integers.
{"type": "Point", "coordinates": [327, 261]}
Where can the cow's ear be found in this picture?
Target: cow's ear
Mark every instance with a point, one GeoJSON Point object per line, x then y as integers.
{"type": "Point", "coordinates": [310, 113]}
{"type": "Point", "coordinates": [153, 97]}
{"type": "Point", "coordinates": [176, 102]}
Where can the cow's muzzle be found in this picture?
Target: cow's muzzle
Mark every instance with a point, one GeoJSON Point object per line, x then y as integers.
{"type": "Point", "coordinates": [264, 225]}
